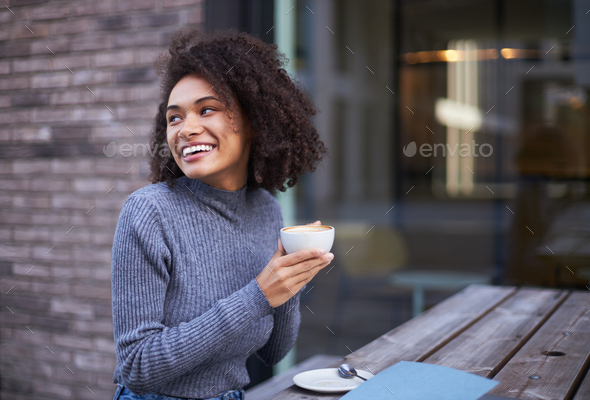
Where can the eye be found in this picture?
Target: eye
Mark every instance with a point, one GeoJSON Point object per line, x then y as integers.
{"type": "Point", "coordinates": [203, 111]}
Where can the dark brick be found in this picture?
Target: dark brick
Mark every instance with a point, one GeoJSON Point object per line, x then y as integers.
{"type": "Point", "coordinates": [90, 42]}
{"type": "Point", "coordinates": [25, 368]}
{"type": "Point", "coordinates": [80, 8]}
{"type": "Point", "coordinates": [56, 44]}
{"type": "Point", "coordinates": [57, 10]}
{"type": "Point", "coordinates": [103, 310]}
{"type": "Point", "coordinates": [30, 201]}
{"type": "Point", "coordinates": [16, 385]}
{"type": "Point", "coordinates": [11, 319]}
{"type": "Point", "coordinates": [12, 49]}
{"type": "Point", "coordinates": [30, 100]}
{"type": "Point", "coordinates": [128, 5]}
{"type": "Point", "coordinates": [104, 379]}
{"type": "Point", "coordinates": [92, 291]}
{"type": "Point", "coordinates": [71, 132]}
{"type": "Point", "coordinates": [133, 39]}
{"type": "Point", "coordinates": [26, 336]}
{"type": "Point", "coordinates": [113, 23]}
{"type": "Point", "coordinates": [12, 218]}
{"type": "Point", "coordinates": [63, 375]}
{"type": "Point", "coordinates": [35, 150]}
{"type": "Point", "coordinates": [26, 303]}
{"type": "Point", "coordinates": [166, 37]}
{"type": "Point", "coordinates": [5, 268]}
{"type": "Point", "coordinates": [159, 19]}
{"type": "Point", "coordinates": [146, 74]}
{"type": "Point", "coordinates": [50, 323]}
{"type": "Point", "coordinates": [21, 32]}
{"type": "Point", "coordinates": [50, 388]}
{"type": "Point", "coordinates": [16, 3]}
{"type": "Point", "coordinates": [16, 351]}
{"type": "Point", "coordinates": [43, 354]}
{"type": "Point", "coordinates": [72, 341]}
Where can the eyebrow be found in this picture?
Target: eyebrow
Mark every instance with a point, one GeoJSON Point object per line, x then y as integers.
{"type": "Point", "coordinates": [174, 106]}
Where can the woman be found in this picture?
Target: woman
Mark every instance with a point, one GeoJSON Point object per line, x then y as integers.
{"type": "Point", "coordinates": [197, 284]}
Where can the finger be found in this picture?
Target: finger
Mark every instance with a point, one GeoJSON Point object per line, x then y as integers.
{"type": "Point", "coordinates": [318, 222]}
{"type": "Point", "coordinates": [299, 285]}
{"type": "Point", "coordinates": [304, 269]}
{"type": "Point", "coordinates": [300, 257]}
{"type": "Point", "coordinates": [281, 250]}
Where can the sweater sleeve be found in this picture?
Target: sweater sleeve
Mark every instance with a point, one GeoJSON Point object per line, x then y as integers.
{"type": "Point", "coordinates": [284, 334]}
{"type": "Point", "coordinates": [287, 319]}
{"type": "Point", "coordinates": [148, 352]}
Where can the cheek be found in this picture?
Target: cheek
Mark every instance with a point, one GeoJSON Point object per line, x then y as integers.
{"type": "Point", "coordinates": [237, 147]}
{"type": "Point", "coordinates": [171, 143]}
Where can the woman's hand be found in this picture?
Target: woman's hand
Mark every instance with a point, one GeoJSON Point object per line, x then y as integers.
{"type": "Point", "coordinates": [286, 274]}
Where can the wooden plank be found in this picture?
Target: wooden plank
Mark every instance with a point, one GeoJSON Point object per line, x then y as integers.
{"type": "Point", "coordinates": [418, 338]}
{"type": "Point", "coordinates": [559, 375]}
{"type": "Point", "coordinates": [583, 392]}
{"type": "Point", "coordinates": [486, 346]}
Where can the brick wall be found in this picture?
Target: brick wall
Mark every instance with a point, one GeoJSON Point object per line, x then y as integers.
{"type": "Point", "coordinates": [74, 76]}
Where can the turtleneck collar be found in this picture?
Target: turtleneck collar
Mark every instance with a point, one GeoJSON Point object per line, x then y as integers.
{"type": "Point", "coordinates": [233, 199]}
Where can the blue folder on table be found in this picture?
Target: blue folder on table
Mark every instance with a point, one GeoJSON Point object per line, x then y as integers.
{"type": "Point", "coordinates": [419, 381]}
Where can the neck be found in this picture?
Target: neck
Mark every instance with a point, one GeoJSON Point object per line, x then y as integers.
{"type": "Point", "coordinates": [228, 202]}
{"type": "Point", "coordinates": [230, 184]}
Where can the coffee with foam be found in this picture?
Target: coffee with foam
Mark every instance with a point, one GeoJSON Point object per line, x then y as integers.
{"type": "Point", "coordinates": [307, 228]}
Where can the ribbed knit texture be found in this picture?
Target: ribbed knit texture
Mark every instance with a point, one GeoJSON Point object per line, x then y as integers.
{"type": "Point", "coordinates": [187, 310]}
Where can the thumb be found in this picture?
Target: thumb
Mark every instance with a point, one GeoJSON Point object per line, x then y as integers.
{"type": "Point", "coordinates": [280, 249]}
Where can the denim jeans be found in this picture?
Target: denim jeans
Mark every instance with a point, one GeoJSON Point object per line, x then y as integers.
{"type": "Point", "coordinates": [122, 393]}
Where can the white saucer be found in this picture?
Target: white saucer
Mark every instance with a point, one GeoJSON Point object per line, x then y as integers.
{"type": "Point", "coordinates": [327, 380]}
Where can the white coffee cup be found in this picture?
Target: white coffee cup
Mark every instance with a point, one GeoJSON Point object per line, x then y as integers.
{"type": "Point", "coordinates": [304, 237]}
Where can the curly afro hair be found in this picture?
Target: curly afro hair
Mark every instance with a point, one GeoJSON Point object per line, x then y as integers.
{"type": "Point", "coordinates": [285, 143]}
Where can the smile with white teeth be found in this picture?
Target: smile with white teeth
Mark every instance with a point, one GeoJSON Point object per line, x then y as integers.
{"type": "Point", "coordinates": [192, 149]}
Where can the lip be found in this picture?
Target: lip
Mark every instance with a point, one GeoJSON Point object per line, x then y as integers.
{"type": "Point", "coordinates": [194, 157]}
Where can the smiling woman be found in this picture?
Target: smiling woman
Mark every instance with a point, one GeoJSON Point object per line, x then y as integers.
{"type": "Point", "coordinates": [199, 127]}
{"type": "Point", "coordinates": [200, 278]}
{"type": "Point", "coordinates": [252, 89]}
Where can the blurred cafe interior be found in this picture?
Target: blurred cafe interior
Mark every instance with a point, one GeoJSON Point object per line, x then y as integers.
{"type": "Point", "coordinates": [491, 96]}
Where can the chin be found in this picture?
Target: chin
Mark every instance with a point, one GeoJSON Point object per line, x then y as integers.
{"type": "Point", "coordinates": [194, 175]}
{"type": "Point", "coordinates": [191, 171]}
{"type": "Point", "coordinates": [198, 173]}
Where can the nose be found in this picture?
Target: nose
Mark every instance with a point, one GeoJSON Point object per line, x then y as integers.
{"type": "Point", "coordinates": [190, 127]}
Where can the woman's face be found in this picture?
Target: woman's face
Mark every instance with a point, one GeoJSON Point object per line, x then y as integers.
{"type": "Point", "coordinates": [204, 142]}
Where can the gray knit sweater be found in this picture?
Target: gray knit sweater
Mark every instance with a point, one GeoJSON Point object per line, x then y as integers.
{"type": "Point", "coordinates": [187, 310]}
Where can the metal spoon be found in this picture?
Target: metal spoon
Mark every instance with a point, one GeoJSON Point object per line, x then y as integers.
{"type": "Point", "coordinates": [346, 371]}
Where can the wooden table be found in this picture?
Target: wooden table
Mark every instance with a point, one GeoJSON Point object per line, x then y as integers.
{"type": "Point", "coordinates": [535, 342]}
